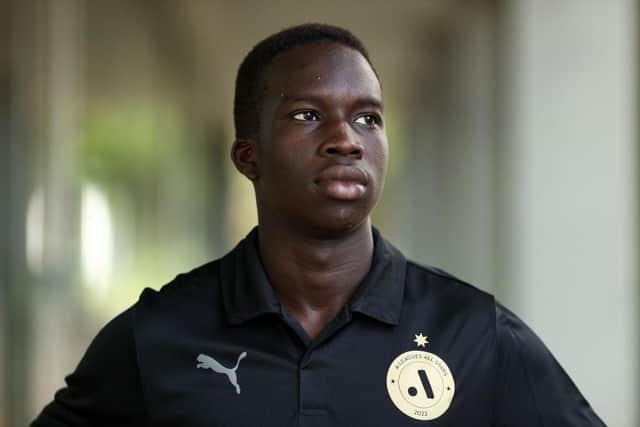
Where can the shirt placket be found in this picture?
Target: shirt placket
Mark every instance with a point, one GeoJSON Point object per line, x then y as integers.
{"type": "Point", "coordinates": [313, 399]}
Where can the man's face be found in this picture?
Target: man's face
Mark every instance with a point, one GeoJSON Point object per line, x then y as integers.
{"type": "Point", "coordinates": [322, 149]}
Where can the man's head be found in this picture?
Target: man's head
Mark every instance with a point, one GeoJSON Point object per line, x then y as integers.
{"type": "Point", "coordinates": [315, 149]}
{"type": "Point", "coordinates": [250, 84]}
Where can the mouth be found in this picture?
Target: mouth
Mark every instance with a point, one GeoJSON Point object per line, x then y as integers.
{"type": "Point", "coordinates": [342, 182]}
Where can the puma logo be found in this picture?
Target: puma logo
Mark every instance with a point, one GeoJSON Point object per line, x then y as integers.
{"type": "Point", "coordinates": [208, 362]}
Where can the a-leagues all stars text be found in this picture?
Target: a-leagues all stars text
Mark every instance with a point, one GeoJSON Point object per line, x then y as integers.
{"type": "Point", "coordinates": [423, 356]}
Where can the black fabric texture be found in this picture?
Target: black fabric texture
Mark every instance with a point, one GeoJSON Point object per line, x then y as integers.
{"type": "Point", "coordinates": [155, 364]}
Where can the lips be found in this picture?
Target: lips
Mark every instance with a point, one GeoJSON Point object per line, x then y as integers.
{"type": "Point", "coordinates": [343, 182]}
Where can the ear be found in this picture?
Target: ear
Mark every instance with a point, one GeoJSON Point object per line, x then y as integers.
{"type": "Point", "coordinates": [244, 157]}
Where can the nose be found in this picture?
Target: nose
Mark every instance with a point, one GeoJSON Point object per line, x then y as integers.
{"type": "Point", "coordinates": [342, 141]}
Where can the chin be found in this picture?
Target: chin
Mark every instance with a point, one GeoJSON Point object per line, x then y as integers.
{"type": "Point", "coordinates": [341, 222]}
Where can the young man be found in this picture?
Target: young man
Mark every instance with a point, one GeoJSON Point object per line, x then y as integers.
{"type": "Point", "coordinates": [314, 319]}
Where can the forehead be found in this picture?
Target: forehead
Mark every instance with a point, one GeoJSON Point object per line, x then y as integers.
{"type": "Point", "coordinates": [319, 67]}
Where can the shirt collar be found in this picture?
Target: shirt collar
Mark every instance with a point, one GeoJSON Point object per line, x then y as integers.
{"type": "Point", "coordinates": [247, 292]}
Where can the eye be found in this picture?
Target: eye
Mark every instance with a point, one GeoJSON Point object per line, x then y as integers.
{"type": "Point", "coordinates": [306, 116]}
{"type": "Point", "coordinates": [368, 120]}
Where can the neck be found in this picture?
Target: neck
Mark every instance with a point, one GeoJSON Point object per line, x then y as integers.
{"type": "Point", "coordinates": [315, 277]}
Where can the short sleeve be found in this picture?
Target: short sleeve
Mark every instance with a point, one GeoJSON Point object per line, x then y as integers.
{"type": "Point", "coordinates": [533, 389]}
{"type": "Point", "coordinates": [105, 388]}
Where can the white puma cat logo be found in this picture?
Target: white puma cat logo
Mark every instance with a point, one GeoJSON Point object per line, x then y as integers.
{"type": "Point", "coordinates": [208, 362]}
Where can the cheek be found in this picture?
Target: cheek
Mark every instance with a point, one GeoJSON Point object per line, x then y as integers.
{"type": "Point", "coordinates": [381, 157]}
{"type": "Point", "coordinates": [285, 166]}
{"type": "Point", "coordinates": [291, 153]}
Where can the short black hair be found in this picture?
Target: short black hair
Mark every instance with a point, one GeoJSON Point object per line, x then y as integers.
{"type": "Point", "coordinates": [250, 85]}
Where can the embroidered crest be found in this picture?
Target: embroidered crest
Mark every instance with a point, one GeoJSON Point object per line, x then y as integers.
{"type": "Point", "coordinates": [420, 384]}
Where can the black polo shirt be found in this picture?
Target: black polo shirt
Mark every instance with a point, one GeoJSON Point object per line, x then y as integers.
{"type": "Point", "coordinates": [414, 347]}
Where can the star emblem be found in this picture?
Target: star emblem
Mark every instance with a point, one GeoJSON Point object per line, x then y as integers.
{"type": "Point", "coordinates": [421, 340]}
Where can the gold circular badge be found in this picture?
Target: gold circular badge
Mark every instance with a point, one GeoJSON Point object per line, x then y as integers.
{"type": "Point", "coordinates": [420, 384]}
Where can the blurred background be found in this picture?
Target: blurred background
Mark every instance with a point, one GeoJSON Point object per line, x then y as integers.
{"type": "Point", "coordinates": [513, 129]}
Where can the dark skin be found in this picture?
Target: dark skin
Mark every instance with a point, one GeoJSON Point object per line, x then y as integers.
{"type": "Point", "coordinates": [318, 167]}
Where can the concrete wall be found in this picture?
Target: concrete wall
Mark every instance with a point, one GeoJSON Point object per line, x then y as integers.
{"type": "Point", "coordinates": [572, 126]}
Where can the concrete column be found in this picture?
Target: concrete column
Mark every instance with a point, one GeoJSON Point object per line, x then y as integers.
{"type": "Point", "coordinates": [446, 215]}
{"type": "Point", "coordinates": [571, 188]}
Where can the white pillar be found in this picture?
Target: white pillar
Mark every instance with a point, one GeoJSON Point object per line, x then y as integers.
{"type": "Point", "coordinates": [573, 188]}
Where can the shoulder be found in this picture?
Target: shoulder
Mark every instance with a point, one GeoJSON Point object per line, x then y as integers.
{"type": "Point", "coordinates": [104, 382]}
{"type": "Point", "coordinates": [463, 313]}
{"type": "Point", "coordinates": [518, 343]}
{"type": "Point", "coordinates": [520, 348]}
{"type": "Point", "coordinates": [427, 282]}
{"type": "Point", "coordinates": [186, 287]}
{"type": "Point", "coordinates": [189, 301]}
{"type": "Point", "coordinates": [532, 384]}
{"type": "Point", "coordinates": [513, 331]}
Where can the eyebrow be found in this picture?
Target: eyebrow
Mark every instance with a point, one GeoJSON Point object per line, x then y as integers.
{"type": "Point", "coordinates": [365, 101]}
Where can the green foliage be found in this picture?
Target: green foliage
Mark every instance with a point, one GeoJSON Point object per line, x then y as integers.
{"type": "Point", "coordinates": [123, 143]}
